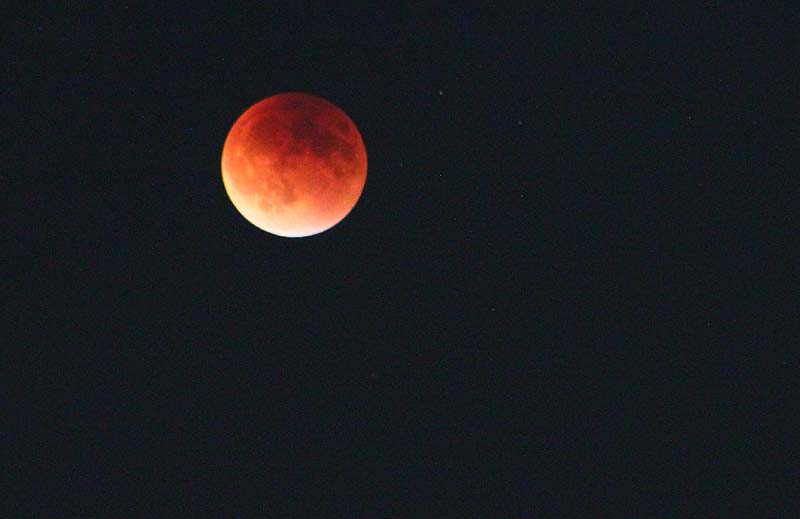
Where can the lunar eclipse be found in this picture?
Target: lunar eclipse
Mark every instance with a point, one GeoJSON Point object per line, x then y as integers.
{"type": "Point", "coordinates": [294, 165]}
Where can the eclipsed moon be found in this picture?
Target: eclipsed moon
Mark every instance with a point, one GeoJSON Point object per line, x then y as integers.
{"type": "Point", "coordinates": [294, 165]}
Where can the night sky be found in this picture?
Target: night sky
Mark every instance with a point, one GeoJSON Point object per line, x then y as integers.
{"type": "Point", "coordinates": [552, 297]}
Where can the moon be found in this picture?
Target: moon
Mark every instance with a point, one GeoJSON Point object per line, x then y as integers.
{"type": "Point", "coordinates": [294, 165]}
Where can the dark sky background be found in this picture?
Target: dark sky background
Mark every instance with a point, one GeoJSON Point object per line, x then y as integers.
{"type": "Point", "coordinates": [551, 298]}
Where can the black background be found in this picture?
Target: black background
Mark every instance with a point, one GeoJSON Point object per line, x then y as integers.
{"type": "Point", "coordinates": [551, 298]}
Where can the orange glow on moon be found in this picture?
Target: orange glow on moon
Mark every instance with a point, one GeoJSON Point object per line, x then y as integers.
{"type": "Point", "coordinates": [294, 165]}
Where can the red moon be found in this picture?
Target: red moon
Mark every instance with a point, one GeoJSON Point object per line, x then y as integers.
{"type": "Point", "coordinates": [294, 165]}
